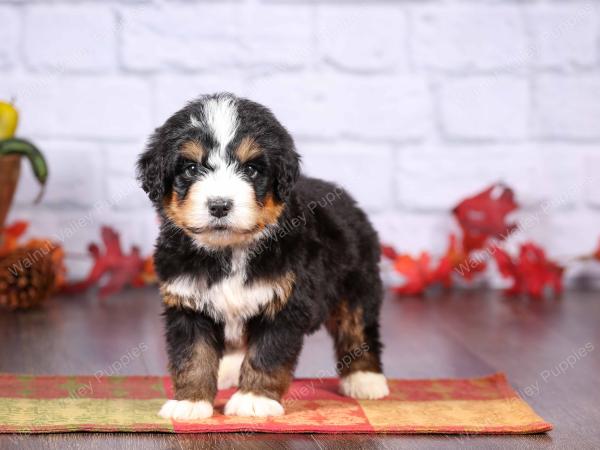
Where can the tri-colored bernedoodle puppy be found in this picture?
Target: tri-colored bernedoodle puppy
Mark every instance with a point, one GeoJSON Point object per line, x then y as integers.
{"type": "Point", "coordinates": [251, 257]}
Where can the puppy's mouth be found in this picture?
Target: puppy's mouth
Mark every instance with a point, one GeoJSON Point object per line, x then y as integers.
{"type": "Point", "coordinates": [221, 229]}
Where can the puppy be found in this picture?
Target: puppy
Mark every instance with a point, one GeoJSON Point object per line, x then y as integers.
{"type": "Point", "coordinates": [251, 257]}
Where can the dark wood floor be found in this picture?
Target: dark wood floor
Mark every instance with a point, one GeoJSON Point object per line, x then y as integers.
{"type": "Point", "coordinates": [458, 335]}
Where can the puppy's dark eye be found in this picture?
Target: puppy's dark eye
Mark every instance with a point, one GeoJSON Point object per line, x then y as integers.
{"type": "Point", "coordinates": [191, 170]}
{"type": "Point", "coordinates": [252, 171]}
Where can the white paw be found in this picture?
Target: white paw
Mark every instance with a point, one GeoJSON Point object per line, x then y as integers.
{"type": "Point", "coordinates": [364, 385]}
{"type": "Point", "coordinates": [249, 404]}
{"type": "Point", "coordinates": [229, 369]}
{"type": "Point", "coordinates": [186, 410]}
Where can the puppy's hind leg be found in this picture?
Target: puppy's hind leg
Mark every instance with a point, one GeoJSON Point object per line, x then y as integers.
{"type": "Point", "coordinates": [358, 351]}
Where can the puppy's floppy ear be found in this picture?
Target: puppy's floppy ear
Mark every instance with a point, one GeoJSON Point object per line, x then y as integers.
{"type": "Point", "coordinates": [287, 170]}
{"type": "Point", "coordinates": [151, 168]}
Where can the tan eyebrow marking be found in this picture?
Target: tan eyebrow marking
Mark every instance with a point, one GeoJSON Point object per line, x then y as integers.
{"type": "Point", "coordinates": [247, 149]}
{"type": "Point", "coordinates": [192, 150]}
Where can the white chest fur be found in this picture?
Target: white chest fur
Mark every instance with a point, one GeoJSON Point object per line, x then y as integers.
{"type": "Point", "coordinates": [231, 301]}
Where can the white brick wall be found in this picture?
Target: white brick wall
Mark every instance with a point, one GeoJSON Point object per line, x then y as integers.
{"type": "Point", "coordinates": [345, 44]}
{"type": "Point", "coordinates": [372, 183]}
{"type": "Point", "coordinates": [276, 37]}
{"type": "Point", "coordinates": [69, 38]}
{"type": "Point", "coordinates": [410, 105]}
{"type": "Point", "coordinates": [180, 36]}
{"type": "Point", "coordinates": [564, 35]}
{"type": "Point", "coordinates": [471, 108]}
{"type": "Point", "coordinates": [469, 37]}
{"type": "Point", "coordinates": [567, 107]}
{"type": "Point", "coordinates": [9, 36]}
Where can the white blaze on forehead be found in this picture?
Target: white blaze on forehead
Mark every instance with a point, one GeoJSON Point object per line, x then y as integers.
{"type": "Point", "coordinates": [220, 116]}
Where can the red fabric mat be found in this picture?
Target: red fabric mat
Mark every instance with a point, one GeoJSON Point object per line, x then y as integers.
{"type": "Point", "coordinates": [49, 404]}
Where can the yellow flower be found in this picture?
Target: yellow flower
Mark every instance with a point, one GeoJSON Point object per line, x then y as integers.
{"type": "Point", "coordinates": [9, 119]}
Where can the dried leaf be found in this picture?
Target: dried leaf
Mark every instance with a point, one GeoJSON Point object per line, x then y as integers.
{"type": "Point", "coordinates": [388, 252]}
{"type": "Point", "coordinates": [120, 268]}
{"type": "Point", "coordinates": [147, 275]}
{"type": "Point", "coordinates": [462, 263]}
{"type": "Point", "coordinates": [532, 273]}
{"type": "Point", "coordinates": [415, 272]}
{"type": "Point", "coordinates": [9, 236]}
{"type": "Point", "coordinates": [483, 216]}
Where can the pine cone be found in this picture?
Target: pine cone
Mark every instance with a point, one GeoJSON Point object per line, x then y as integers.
{"type": "Point", "coordinates": [27, 277]}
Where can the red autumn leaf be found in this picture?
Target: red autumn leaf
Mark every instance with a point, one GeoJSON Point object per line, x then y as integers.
{"type": "Point", "coordinates": [443, 272]}
{"type": "Point", "coordinates": [147, 275]}
{"type": "Point", "coordinates": [454, 252]}
{"type": "Point", "coordinates": [120, 268]}
{"type": "Point", "coordinates": [9, 236]}
{"type": "Point", "coordinates": [597, 253]}
{"type": "Point", "coordinates": [415, 272]}
{"type": "Point", "coordinates": [531, 273]}
{"type": "Point", "coordinates": [539, 272]}
{"type": "Point", "coordinates": [419, 274]}
{"type": "Point", "coordinates": [460, 262]}
{"type": "Point", "coordinates": [483, 216]}
{"type": "Point", "coordinates": [16, 229]}
{"type": "Point", "coordinates": [388, 252]}
{"type": "Point", "coordinates": [508, 269]}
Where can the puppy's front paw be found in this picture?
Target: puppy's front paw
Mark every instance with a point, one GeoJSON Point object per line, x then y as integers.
{"type": "Point", "coordinates": [364, 385]}
{"type": "Point", "coordinates": [249, 404]}
{"type": "Point", "coordinates": [183, 410]}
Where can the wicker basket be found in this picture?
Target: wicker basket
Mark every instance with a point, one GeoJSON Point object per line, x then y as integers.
{"type": "Point", "coordinates": [10, 169]}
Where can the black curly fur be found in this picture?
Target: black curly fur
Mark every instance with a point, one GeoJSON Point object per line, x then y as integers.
{"type": "Point", "coordinates": [321, 237]}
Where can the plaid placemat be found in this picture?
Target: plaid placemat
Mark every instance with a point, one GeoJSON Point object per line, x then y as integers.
{"type": "Point", "coordinates": [49, 404]}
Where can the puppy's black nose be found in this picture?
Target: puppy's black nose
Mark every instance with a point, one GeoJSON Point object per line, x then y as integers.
{"type": "Point", "coordinates": [219, 207]}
